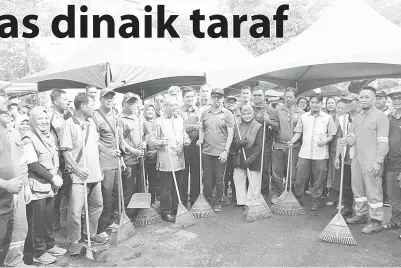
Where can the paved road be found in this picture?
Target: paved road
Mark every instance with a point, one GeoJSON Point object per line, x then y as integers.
{"type": "Point", "coordinates": [228, 240]}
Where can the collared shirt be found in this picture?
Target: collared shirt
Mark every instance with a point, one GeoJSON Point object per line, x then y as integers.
{"type": "Point", "coordinates": [271, 125]}
{"type": "Point", "coordinates": [71, 140]}
{"type": "Point", "coordinates": [129, 127]}
{"type": "Point", "coordinates": [387, 111]}
{"type": "Point", "coordinates": [394, 143]}
{"type": "Point", "coordinates": [370, 129]}
{"type": "Point", "coordinates": [57, 120]}
{"type": "Point", "coordinates": [315, 129]}
{"type": "Point", "coordinates": [191, 119]}
{"type": "Point", "coordinates": [215, 125]}
{"type": "Point", "coordinates": [283, 134]}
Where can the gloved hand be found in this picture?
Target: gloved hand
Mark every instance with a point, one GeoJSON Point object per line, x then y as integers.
{"type": "Point", "coordinates": [248, 162]}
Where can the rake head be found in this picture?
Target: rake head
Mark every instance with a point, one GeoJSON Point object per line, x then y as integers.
{"type": "Point", "coordinates": [287, 204]}
{"type": "Point", "coordinates": [147, 216]}
{"type": "Point", "coordinates": [337, 232]}
{"type": "Point", "coordinates": [201, 208]}
{"type": "Point", "coordinates": [125, 231]}
{"type": "Point", "coordinates": [257, 212]}
{"type": "Point", "coordinates": [184, 218]}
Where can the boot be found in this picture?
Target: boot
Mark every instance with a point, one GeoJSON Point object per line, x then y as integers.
{"type": "Point", "coordinates": [357, 219]}
{"type": "Point", "coordinates": [373, 226]}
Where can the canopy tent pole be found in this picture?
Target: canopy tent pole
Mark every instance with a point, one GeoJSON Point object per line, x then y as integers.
{"type": "Point", "coordinates": [108, 76]}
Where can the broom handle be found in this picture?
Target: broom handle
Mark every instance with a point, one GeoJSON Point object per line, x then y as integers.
{"type": "Point", "coordinates": [141, 126]}
{"type": "Point", "coordinates": [171, 163]}
{"type": "Point", "coordinates": [85, 186]}
{"type": "Point", "coordinates": [263, 152]}
{"type": "Point", "coordinates": [290, 149]}
{"type": "Point", "coordinates": [340, 199]}
{"type": "Point", "coordinates": [200, 160]}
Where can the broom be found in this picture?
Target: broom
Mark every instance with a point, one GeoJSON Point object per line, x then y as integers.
{"type": "Point", "coordinates": [201, 208]}
{"type": "Point", "coordinates": [146, 216]}
{"type": "Point", "coordinates": [256, 209]}
{"type": "Point", "coordinates": [261, 170]}
{"type": "Point", "coordinates": [337, 230]}
{"type": "Point", "coordinates": [287, 203]}
{"type": "Point", "coordinates": [184, 218]}
{"type": "Point", "coordinates": [126, 228]}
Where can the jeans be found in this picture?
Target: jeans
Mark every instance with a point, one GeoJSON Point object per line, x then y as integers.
{"type": "Point", "coordinates": [16, 251]}
{"type": "Point", "coordinates": [213, 172]}
{"type": "Point", "coordinates": [77, 203]}
{"type": "Point", "coordinates": [168, 193]}
{"type": "Point", "coordinates": [348, 197]}
{"type": "Point", "coordinates": [266, 175]}
{"type": "Point", "coordinates": [394, 194]}
{"type": "Point", "coordinates": [40, 215]}
{"type": "Point", "coordinates": [132, 182]}
{"type": "Point", "coordinates": [279, 167]}
{"type": "Point", "coordinates": [191, 167]}
{"type": "Point", "coordinates": [109, 189]}
{"type": "Point", "coordinates": [319, 170]}
{"type": "Point", "coordinates": [6, 230]}
{"type": "Point", "coordinates": [229, 177]}
{"type": "Point", "coordinates": [153, 180]}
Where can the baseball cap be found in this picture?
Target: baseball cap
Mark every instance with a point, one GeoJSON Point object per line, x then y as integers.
{"type": "Point", "coordinates": [351, 97]}
{"type": "Point", "coordinates": [231, 98]}
{"type": "Point", "coordinates": [396, 90]}
{"type": "Point", "coordinates": [106, 91]}
{"type": "Point", "coordinates": [381, 94]}
{"type": "Point", "coordinates": [130, 95]}
{"type": "Point", "coordinates": [217, 91]}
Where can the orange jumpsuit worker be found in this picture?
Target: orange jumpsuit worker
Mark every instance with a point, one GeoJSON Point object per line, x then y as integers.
{"type": "Point", "coordinates": [369, 133]}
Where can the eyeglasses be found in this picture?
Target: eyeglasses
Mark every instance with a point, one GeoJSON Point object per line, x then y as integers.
{"type": "Point", "coordinates": [396, 98]}
{"type": "Point", "coordinates": [257, 95]}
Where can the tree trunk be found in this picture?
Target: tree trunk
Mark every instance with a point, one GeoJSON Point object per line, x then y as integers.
{"type": "Point", "coordinates": [28, 55]}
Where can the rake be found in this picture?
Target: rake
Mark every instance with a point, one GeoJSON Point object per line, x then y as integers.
{"type": "Point", "coordinates": [337, 230]}
{"type": "Point", "coordinates": [256, 210]}
{"type": "Point", "coordinates": [201, 208]}
{"type": "Point", "coordinates": [148, 215]}
{"type": "Point", "coordinates": [126, 228]}
{"type": "Point", "coordinates": [287, 203]}
{"type": "Point", "coordinates": [184, 218]}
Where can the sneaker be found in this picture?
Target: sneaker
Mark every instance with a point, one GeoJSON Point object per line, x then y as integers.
{"type": "Point", "coordinates": [307, 193]}
{"type": "Point", "coordinates": [56, 251]}
{"type": "Point", "coordinates": [218, 208]}
{"type": "Point", "coordinates": [75, 249]}
{"type": "Point", "coordinates": [372, 227]}
{"type": "Point", "coordinates": [97, 240]}
{"type": "Point", "coordinates": [357, 219]}
{"type": "Point", "coordinates": [45, 259]}
{"type": "Point", "coordinates": [386, 204]}
{"type": "Point", "coordinates": [345, 211]}
{"type": "Point", "coordinates": [105, 236]}
{"type": "Point", "coordinates": [113, 226]}
{"type": "Point", "coordinates": [391, 225]}
{"type": "Point", "coordinates": [330, 203]}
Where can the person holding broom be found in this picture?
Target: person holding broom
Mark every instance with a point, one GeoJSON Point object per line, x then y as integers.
{"type": "Point", "coordinates": [250, 137]}
{"type": "Point", "coordinates": [170, 132]}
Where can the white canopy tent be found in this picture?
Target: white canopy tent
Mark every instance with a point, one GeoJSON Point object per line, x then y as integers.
{"type": "Point", "coordinates": [350, 41]}
{"type": "Point", "coordinates": [18, 89]}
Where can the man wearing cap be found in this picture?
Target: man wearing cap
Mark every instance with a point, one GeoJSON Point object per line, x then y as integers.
{"type": "Point", "coordinates": [105, 118]}
{"type": "Point", "coordinates": [231, 105]}
{"type": "Point", "coordinates": [204, 98]}
{"type": "Point", "coordinates": [216, 135]}
{"type": "Point", "coordinates": [352, 106]}
{"type": "Point", "coordinates": [369, 133]}
{"type": "Point", "coordinates": [393, 162]}
{"type": "Point", "coordinates": [381, 104]}
{"type": "Point", "coordinates": [131, 127]}
{"type": "Point", "coordinates": [265, 114]}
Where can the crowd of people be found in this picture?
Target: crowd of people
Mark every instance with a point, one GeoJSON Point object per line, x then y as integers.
{"type": "Point", "coordinates": [47, 154]}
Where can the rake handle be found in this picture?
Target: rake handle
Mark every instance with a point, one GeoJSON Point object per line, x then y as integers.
{"type": "Point", "coordinates": [143, 173]}
{"type": "Point", "coordinates": [263, 153]}
{"type": "Point", "coordinates": [85, 187]}
{"type": "Point", "coordinates": [340, 198]}
{"type": "Point", "coordinates": [290, 149]}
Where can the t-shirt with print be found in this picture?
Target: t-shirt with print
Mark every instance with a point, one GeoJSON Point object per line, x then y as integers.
{"type": "Point", "coordinates": [71, 139]}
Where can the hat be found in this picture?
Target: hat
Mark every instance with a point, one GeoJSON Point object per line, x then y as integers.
{"type": "Point", "coordinates": [130, 95]}
{"type": "Point", "coordinates": [381, 94]}
{"type": "Point", "coordinates": [350, 97]}
{"type": "Point", "coordinates": [231, 98]}
{"type": "Point", "coordinates": [396, 90]}
{"type": "Point", "coordinates": [106, 91]}
{"type": "Point", "coordinates": [217, 91]}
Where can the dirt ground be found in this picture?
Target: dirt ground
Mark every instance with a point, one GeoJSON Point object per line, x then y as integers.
{"type": "Point", "coordinates": [228, 240]}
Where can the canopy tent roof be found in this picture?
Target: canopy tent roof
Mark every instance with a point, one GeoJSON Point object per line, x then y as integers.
{"type": "Point", "coordinates": [18, 89]}
{"type": "Point", "coordinates": [350, 41]}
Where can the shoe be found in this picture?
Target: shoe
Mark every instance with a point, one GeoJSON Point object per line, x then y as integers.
{"type": "Point", "coordinates": [315, 207]}
{"type": "Point", "coordinates": [307, 193]}
{"type": "Point", "coordinates": [96, 239]}
{"type": "Point", "coordinates": [346, 211]}
{"type": "Point", "coordinates": [75, 249]}
{"type": "Point", "coordinates": [113, 226]}
{"type": "Point", "coordinates": [244, 207]}
{"type": "Point", "coordinates": [105, 236]}
{"type": "Point", "coordinates": [386, 204]}
{"type": "Point", "coordinates": [56, 251]}
{"type": "Point", "coordinates": [168, 218]}
{"type": "Point", "coordinates": [391, 225]}
{"type": "Point", "coordinates": [45, 259]}
{"type": "Point", "coordinates": [357, 219]}
{"type": "Point", "coordinates": [324, 196]}
{"type": "Point", "coordinates": [330, 203]}
{"type": "Point", "coordinates": [373, 226]}
{"type": "Point", "coordinates": [218, 208]}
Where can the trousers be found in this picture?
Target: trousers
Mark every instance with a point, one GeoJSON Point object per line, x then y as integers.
{"type": "Point", "coordinates": [191, 174]}
{"type": "Point", "coordinates": [168, 192]}
{"type": "Point", "coordinates": [244, 197]}
{"type": "Point", "coordinates": [394, 194]}
{"type": "Point", "coordinates": [279, 167]}
{"type": "Point", "coordinates": [213, 172]}
{"type": "Point", "coordinates": [6, 230]}
{"type": "Point", "coordinates": [109, 189]}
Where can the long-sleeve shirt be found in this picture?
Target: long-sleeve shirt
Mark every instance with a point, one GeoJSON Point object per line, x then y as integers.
{"type": "Point", "coordinates": [253, 154]}
{"type": "Point", "coordinates": [394, 140]}
{"type": "Point", "coordinates": [370, 129]}
{"type": "Point", "coordinates": [283, 133]}
{"type": "Point", "coordinates": [271, 125]}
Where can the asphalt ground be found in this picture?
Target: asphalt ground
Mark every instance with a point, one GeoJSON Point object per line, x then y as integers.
{"type": "Point", "coordinates": [228, 240]}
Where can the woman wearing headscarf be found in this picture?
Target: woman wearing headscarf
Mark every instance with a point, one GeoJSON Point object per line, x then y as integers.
{"type": "Point", "coordinates": [149, 113]}
{"type": "Point", "coordinates": [250, 137]}
{"type": "Point", "coordinates": [40, 151]}
{"type": "Point", "coordinates": [303, 103]}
